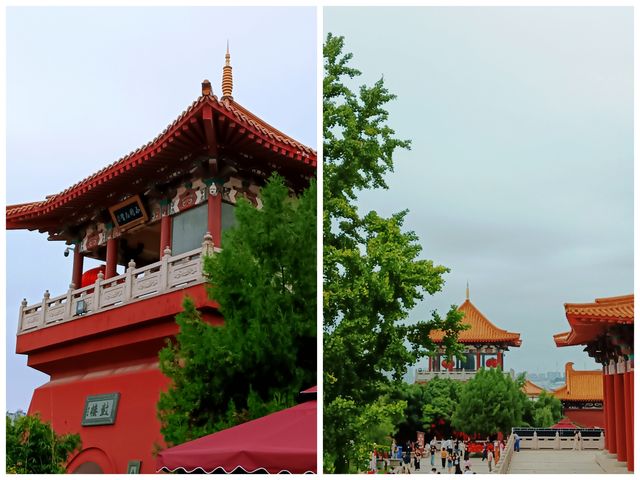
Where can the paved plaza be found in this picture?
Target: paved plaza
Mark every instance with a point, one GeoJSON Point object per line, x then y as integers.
{"type": "Point", "coordinates": [555, 461]}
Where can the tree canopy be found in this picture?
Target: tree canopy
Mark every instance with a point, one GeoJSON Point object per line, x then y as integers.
{"type": "Point", "coordinates": [373, 273]}
{"type": "Point", "coordinates": [34, 447]}
{"type": "Point", "coordinates": [265, 353]}
{"type": "Point", "coordinates": [490, 402]}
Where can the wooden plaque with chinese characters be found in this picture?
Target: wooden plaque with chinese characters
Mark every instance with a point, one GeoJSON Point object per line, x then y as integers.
{"type": "Point", "coordinates": [100, 409]}
{"type": "Point", "coordinates": [129, 213]}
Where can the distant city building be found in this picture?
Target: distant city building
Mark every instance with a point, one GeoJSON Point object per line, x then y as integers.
{"type": "Point", "coordinates": [606, 328]}
{"type": "Point", "coordinates": [484, 346]}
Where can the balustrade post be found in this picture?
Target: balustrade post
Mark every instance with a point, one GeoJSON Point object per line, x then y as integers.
{"type": "Point", "coordinates": [45, 307]}
{"type": "Point", "coordinates": [601, 441]}
{"type": "Point", "coordinates": [67, 310]}
{"type": "Point", "coordinates": [23, 305]}
{"type": "Point", "coordinates": [557, 442]}
{"type": "Point", "coordinates": [97, 291]}
{"type": "Point", "coordinates": [164, 270]}
{"type": "Point", "coordinates": [128, 281]}
{"type": "Point", "coordinates": [535, 441]}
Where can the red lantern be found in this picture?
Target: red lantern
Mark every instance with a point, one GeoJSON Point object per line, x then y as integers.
{"type": "Point", "coordinates": [441, 422]}
{"type": "Point", "coordinates": [433, 425]}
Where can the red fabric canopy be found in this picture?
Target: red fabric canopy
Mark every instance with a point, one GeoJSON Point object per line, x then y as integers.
{"type": "Point", "coordinates": [282, 442]}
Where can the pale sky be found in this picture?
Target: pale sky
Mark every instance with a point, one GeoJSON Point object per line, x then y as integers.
{"type": "Point", "coordinates": [520, 178]}
{"type": "Point", "coordinates": [85, 86]}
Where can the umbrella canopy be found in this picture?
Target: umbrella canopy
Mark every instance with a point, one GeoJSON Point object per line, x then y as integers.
{"type": "Point", "coordinates": [282, 442]}
{"type": "Point", "coordinates": [565, 423]}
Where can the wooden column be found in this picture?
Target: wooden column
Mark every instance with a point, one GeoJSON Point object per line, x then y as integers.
{"type": "Point", "coordinates": [477, 360]}
{"type": "Point", "coordinates": [628, 427]}
{"type": "Point", "coordinates": [78, 260]}
{"type": "Point", "coordinates": [618, 386]}
{"type": "Point", "coordinates": [214, 218]}
{"type": "Point", "coordinates": [112, 258]}
{"type": "Point", "coordinates": [501, 360]}
{"type": "Point", "coordinates": [611, 417]}
{"type": "Point", "coordinates": [605, 406]}
{"type": "Point", "coordinates": [165, 233]}
{"type": "Point", "coordinates": [630, 465]}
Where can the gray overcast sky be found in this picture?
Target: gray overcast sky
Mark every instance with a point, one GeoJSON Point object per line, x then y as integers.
{"type": "Point", "coordinates": [85, 86]}
{"type": "Point", "coordinates": [520, 178]}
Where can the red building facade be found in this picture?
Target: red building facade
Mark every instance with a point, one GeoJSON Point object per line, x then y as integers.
{"type": "Point", "coordinates": [582, 397]}
{"type": "Point", "coordinates": [606, 328]}
{"type": "Point", "coordinates": [153, 214]}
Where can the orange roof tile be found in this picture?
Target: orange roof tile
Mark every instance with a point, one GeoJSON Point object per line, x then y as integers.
{"type": "Point", "coordinates": [615, 308]}
{"type": "Point", "coordinates": [589, 320]}
{"type": "Point", "coordinates": [581, 385]}
{"type": "Point", "coordinates": [283, 145]}
{"type": "Point", "coordinates": [481, 331]}
{"type": "Point", "coordinates": [531, 389]}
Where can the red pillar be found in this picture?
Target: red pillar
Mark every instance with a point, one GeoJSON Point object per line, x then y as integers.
{"type": "Point", "coordinates": [610, 433]}
{"type": "Point", "coordinates": [112, 258]}
{"type": "Point", "coordinates": [605, 407]}
{"type": "Point", "coordinates": [478, 360]}
{"type": "Point", "coordinates": [78, 259]}
{"type": "Point", "coordinates": [165, 233]}
{"type": "Point", "coordinates": [501, 361]}
{"type": "Point", "coordinates": [618, 385]}
{"type": "Point", "coordinates": [214, 218]}
{"type": "Point", "coordinates": [629, 420]}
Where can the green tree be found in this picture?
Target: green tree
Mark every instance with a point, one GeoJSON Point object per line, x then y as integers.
{"type": "Point", "coordinates": [490, 402]}
{"type": "Point", "coordinates": [265, 283]}
{"type": "Point", "coordinates": [545, 411]}
{"type": "Point", "coordinates": [34, 447]}
{"type": "Point", "coordinates": [373, 273]}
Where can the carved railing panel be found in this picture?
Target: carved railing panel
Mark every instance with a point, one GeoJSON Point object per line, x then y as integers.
{"type": "Point", "coordinates": [170, 273]}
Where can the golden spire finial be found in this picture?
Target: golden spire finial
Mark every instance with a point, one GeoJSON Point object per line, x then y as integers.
{"type": "Point", "coordinates": [227, 77]}
{"type": "Point", "coordinates": [467, 290]}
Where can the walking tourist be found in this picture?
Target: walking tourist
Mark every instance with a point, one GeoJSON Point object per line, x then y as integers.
{"type": "Point", "coordinates": [456, 464]}
{"type": "Point", "coordinates": [443, 456]}
{"type": "Point", "coordinates": [490, 459]}
{"type": "Point", "coordinates": [502, 447]}
{"type": "Point", "coordinates": [432, 451]}
{"type": "Point", "coordinates": [467, 462]}
{"type": "Point", "coordinates": [416, 460]}
{"type": "Point", "coordinates": [449, 462]}
{"type": "Point", "coordinates": [485, 449]}
{"type": "Point", "coordinates": [406, 462]}
{"type": "Point", "coordinates": [516, 443]}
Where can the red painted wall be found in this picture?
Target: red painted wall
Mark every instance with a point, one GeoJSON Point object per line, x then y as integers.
{"type": "Point", "coordinates": [115, 351]}
{"type": "Point", "coordinates": [586, 418]}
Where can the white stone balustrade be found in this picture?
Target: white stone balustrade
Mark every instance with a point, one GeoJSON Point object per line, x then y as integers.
{"type": "Point", "coordinates": [169, 274]}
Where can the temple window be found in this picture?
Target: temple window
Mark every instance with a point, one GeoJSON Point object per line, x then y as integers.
{"type": "Point", "coordinates": [228, 216]}
{"type": "Point", "coordinates": [188, 229]}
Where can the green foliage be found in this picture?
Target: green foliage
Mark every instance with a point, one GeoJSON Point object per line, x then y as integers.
{"type": "Point", "coordinates": [33, 447]}
{"type": "Point", "coordinates": [490, 402]}
{"type": "Point", "coordinates": [265, 283]}
{"type": "Point", "coordinates": [373, 275]}
{"type": "Point", "coordinates": [545, 411]}
{"type": "Point", "coordinates": [426, 404]}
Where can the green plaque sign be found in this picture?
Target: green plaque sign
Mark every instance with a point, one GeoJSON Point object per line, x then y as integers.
{"type": "Point", "coordinates": [100, 409]}
{"type": "Point", "coordinates": [133, 466]}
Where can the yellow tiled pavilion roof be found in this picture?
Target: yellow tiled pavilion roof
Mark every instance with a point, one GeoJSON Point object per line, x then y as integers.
{"type": "Point", "coordinates": [531, 389]}
{"type": "Point", "coordinates": [581, 385]}
{"type": "Point", "coordinates": [481, 331]}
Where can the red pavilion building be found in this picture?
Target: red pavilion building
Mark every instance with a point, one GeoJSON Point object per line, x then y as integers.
{"type": "Point", "coordinates": [484, 347]}
{"type": "Point", "coordinates": [154, 212]}
{"type": "Point", "coordinates": [605, 327]}
{"type": "Point", "coordinates": [581, 397]}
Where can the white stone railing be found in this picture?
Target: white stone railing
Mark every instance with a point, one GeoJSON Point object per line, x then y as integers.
{"type": "Point", "coordinates": [463, 375]}
{"type": "Point", "coordinates": [504, 462]}
{"type": "Point", "coordinates": [170, 273]}
{"type": "Point", "coordinates": [558, 442]}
